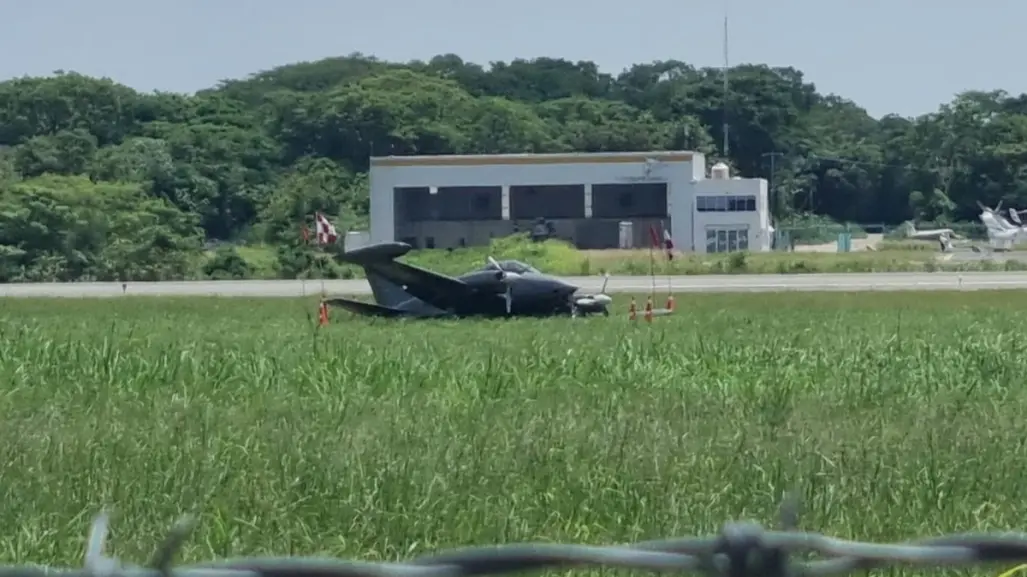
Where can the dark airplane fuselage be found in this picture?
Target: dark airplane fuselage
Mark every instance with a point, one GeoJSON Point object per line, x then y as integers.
{"type": "Point", "coordinates": [402, 290]}
{"type": "Point", "coordinates": [532, 295]}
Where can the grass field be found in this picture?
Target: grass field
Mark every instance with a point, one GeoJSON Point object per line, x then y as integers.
{"type": "Point", "coordinates": [894, 415]}
{"type": "Point", "coordinates": [560, 258]}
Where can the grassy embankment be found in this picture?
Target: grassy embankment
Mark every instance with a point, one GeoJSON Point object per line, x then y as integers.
{"type": "Point", "coordinates": [895, 415]}
{"type": "Point", "coordinates": [560, 258]}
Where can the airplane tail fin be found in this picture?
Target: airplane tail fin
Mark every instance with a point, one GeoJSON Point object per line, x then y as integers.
{"type": "Point", "coordinates": [386, 293]}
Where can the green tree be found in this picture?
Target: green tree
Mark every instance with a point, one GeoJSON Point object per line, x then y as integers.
{"type": "Point", "coordinates": [101, 181]}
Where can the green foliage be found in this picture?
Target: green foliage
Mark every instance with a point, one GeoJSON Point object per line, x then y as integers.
{"type": "Point", "coordinates": [302, 261]}
{"type": "Point", "coordinates": [807, 228]}
{"type": "Point", "coordinates": [894, 415]}
{"type": "Point", "coordinates": [227, 264]}
{"type": "Point", "coordinates": [67, 228]}
{"type": "Point", "coordinates": [247, 160]}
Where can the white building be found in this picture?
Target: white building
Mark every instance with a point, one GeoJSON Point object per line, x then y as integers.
{"type": "Point", "coordinates": [450, 201]}
{"type": "Point", "coordinates": [729, 213]}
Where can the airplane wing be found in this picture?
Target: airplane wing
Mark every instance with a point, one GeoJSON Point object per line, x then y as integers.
{"type": "Point", "coordinates": [439, 290]}
{"type": "Point", "coordinates": [364, 308]}
{"type": "Point", "coordinates": [394, 283]}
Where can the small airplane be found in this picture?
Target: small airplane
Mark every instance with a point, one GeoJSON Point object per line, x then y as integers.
{"type": "Point", "coordinates": [931, 234]}
{"type": "Point", "coordinates": [1002, 234]}
{"type": "Point", "coordinates": [499, 289]}
{"type": "Point", "coordinates": [1014, 215]}
{"type": "Point", "coordinates": [994, 215]}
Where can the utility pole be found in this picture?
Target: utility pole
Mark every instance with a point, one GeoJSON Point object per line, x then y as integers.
{"type": "Point", "coordinates": [773, 174]}
{"type": "Point", "coordinates": [724, 149]}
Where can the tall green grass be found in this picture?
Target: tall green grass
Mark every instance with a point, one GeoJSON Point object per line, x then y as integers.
{"type": "Point", "coordinates": [894, 415]}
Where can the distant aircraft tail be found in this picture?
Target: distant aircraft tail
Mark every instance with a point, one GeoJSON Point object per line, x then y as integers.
{"type": "Point", "coordinates": [386, 293]}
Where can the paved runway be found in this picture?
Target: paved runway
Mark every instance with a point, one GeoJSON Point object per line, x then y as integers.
{"type": "Point", "coordinates": [621, 284]}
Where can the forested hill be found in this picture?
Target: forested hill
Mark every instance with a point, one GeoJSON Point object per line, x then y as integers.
{"type": "Point", "coordinates": [100, 181]}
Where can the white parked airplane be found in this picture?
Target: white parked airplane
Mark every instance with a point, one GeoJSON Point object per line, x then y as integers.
{"type": "Point", "coordinates": [931, 234]}
{"type": "Point", "coordinates": [1014, 215]}
{"type": "Point", "coordinates": [1002, 234]}
{"type": "Point", "coordinates": [993, 217]}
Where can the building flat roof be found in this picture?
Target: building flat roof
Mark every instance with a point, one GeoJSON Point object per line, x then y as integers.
{"type": "Point", "coordinates": [523, 159]}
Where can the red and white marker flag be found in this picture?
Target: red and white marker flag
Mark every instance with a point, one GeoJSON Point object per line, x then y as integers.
{"type": "Point", "coordinates": [326, 233]}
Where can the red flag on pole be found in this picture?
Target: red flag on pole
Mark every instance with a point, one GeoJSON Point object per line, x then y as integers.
{"type": "Point", "coordinates": [326, 233]}
{"type": "Point", "coordinates": [655, 237]}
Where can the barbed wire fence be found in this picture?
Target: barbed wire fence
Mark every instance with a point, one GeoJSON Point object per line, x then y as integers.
{"type": "Point", "coordinates": [741, 549]}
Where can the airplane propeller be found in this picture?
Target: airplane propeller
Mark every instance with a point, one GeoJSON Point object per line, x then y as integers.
{"type": "Point", "coordinates": [1014, 215]}
{"type": "Point", "coordinates": [984, 208]}
{"type": "Point", "coordinates": [602, 299]}
{"type": "Point", "coordinates": [507, 278]}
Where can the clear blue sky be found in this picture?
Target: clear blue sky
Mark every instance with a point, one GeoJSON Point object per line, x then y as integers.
{"type": "Point", "coordinates": [901, 56]}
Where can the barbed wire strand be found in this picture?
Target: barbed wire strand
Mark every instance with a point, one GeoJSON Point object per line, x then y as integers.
{"type": "Point", "coordinates": [741, 550]}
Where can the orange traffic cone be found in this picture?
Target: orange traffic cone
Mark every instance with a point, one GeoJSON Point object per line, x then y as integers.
{"type": "Point", "coordinates": [670, 302]}
{"type": "Point", "coordinates": [649, 310]}
{"type": "Point", "coordinates": [632, 313]}
{"type": "Point", "coordinates": [322, 314]}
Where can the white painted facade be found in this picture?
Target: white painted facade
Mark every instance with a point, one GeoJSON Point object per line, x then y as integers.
{"type": "Point", "coordinates": [729, 214]}
{"type": "Point", "coordinates": [684, 173]}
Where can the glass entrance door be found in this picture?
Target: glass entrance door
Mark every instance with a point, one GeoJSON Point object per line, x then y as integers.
{"type": "Point", "coordinates": [727, 239]}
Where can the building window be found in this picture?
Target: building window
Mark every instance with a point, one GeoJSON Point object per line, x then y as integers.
{"type": "Point", "coordinates": [481, 202]}
{"type": "Point", "coordinates": [734, 203]}
{"type": "Point", "coordinates": [629, 200]}
{"type": "Point", "coordinates": [528, 202]}
{"type": "Point", "coordinates": [467, 203]}
{"type": "Point", "coordinates": [727, 239]}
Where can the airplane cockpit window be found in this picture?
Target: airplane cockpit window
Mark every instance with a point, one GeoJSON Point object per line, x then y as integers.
{"type": "Point", "coordinates": [514, 266]}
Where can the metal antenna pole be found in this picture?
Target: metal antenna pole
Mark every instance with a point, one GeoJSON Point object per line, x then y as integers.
{"type": "Point", "coordinates": [726, 65]}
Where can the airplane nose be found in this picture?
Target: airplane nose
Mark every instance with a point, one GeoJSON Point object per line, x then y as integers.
{"type": "Point", "coordinates": [562, 287]}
